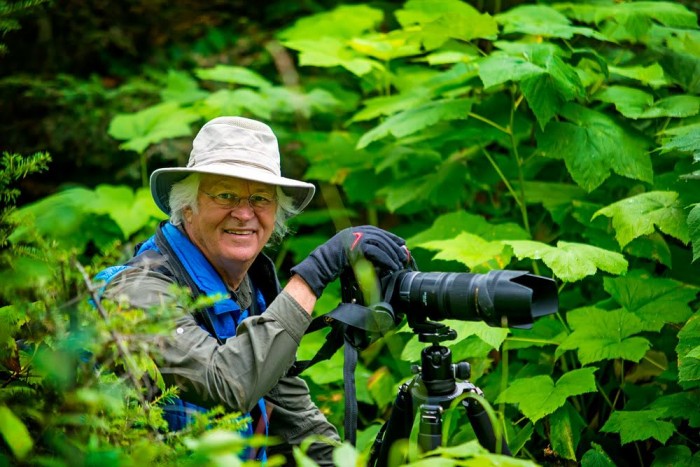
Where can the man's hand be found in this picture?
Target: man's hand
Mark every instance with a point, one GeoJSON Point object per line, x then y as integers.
{"type": "Point", "coordinates": [383, 249]}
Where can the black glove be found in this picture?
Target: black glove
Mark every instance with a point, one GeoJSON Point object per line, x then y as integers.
{"type": "Point", "coordinates": [383, 249]}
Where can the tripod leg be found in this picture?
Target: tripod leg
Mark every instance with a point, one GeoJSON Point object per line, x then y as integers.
{"type": "Point", "coordinates": [430, 428]}
{"type": "Point", "coordinates": [480, 421]}
{"type": "Point", "coordinates": [398, 427]}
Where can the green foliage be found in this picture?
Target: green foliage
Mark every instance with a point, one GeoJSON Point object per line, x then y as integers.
{"type": "Point", "coordinates": [554, 137]}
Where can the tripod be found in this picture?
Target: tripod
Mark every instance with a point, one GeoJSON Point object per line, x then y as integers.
{"type": "Point", "coordinates": [432, 390]}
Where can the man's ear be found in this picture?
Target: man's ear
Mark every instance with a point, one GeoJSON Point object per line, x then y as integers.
{"type": "Point", "coordinates": [187, 214]}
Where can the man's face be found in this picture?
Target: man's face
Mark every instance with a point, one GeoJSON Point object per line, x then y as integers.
{"type": "Point", "coordinates": [231, 236]}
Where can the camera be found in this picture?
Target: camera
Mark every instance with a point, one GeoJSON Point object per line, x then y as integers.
{"type": "Point", "coordinates": [499, 298]}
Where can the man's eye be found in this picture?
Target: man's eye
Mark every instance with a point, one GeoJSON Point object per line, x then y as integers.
{"type": "Point", "coordinates": [260, 199]}
{"type": "Point", "coordinates": [226, 196]}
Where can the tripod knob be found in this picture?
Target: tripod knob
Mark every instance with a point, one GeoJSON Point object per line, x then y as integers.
{"type": "Point", "coordinates": [463, 371]}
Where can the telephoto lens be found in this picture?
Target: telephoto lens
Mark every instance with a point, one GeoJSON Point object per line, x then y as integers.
{"type": "Point", "coordinates": [499, 297]}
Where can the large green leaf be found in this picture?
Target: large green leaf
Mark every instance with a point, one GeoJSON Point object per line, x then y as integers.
{"type": "Point", "coordinates": [433, 22]}
{"type": "Point", "coordinates": [180, 87]}
{"type": "Point", "coordinates": [499, 68]}
{"type": "Point", "coordinates": [605, 335]}
{"type": "Point", "coordinates": [546, 93]}
{"type": "Point", "coordinates": [676, 455]}
{"type": "Point", "coordinates": [592, 145]}
{"type": "Point", "coordinates": [566, 427]}
{"type": "Point", "coordinates": [233, 74]}
{"type": "Point", "coordinates": [15, 433]}
{"type": "Point", "coordinates": [555, 197]}
{"type": "Point", "coordinates": [634, 103]}
{"type": "Point", "coordinates": [331, 52]}
{"type": "Point", "coordinates": [540, 396]}
{"type": "Point", "coordinates": [343, 22]}
{"type": "Point", "coordinates": [152, 125]}
{"type": "Point", "coordinates": [541, 20]}
{"type": "Point", "coordinates": [651, 75]}
{"type": "Point", "coordinates": [452, 224]}
{"type": "Point", "coordinates": [470, 250]}
{"type": "Point", "coordinates": [236, 102]}
{"type": "Point", "coordinates": [413, 120]}
{"type": "Point", "coordinates": [386, 47]}
{"type": "Point", "coordinates": [570, 261]}
{"type": "Point", "coordinates": [683, 405]}
{"type": "Point", "coordinates": [645, 296]}
{"type": "Point", "coordinates": [639, 425]}
{"type": "Point", "coordinates": [684, 138]}
{"type": "Point", "coordinates": [639, 215]}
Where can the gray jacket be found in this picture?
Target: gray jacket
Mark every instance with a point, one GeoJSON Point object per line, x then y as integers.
{"type": "Point", "coordinates": [244, 368]}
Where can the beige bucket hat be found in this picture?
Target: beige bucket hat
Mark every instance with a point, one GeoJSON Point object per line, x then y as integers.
{"type": "Point", "coordinates": [235, 147]}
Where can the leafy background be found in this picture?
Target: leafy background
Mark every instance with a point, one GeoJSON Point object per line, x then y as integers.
{"type": "Point", "coordinates": [558, 138]}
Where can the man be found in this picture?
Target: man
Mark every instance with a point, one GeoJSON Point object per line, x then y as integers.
{"type": "Point", "coordinates": [224, 207]}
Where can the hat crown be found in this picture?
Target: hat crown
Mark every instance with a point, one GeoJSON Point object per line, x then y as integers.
{"type": "Point", "coordinates": [236, 140]}
{"type": "Point", "coordinates": [232, 147]}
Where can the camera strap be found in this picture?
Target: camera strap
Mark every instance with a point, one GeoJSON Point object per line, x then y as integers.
{"type": "Point", "coordinates": [356, 326]}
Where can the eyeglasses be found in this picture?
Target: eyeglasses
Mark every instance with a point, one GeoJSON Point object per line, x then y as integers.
{"type": "Point", "coordinates": [231, 201]}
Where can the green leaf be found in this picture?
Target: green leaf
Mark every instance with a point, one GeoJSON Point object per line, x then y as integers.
{"type": "Point", "coordinates": [470, 250]}
{"type": "Point", "coordinates": [493, 336]}
{"type": "Point", "coordinates": [570, 261]}
{"type": "Point", "coordinates": [676, 455]}
{"type": "Point", "coordinates": [652, 75]}
{"type": "Point", "coordinates": [694, 230]}
{"type": "Point", "coordinates": [634, 103]}
{"type": "Point", "coordinates": [331, 52]}
{"type": "Point", "coordinates": [181, 88]}
{"type": "Point", "coordinates": [413, 120]}
{"type": "Point", "coordinates": [596, 457]}
{"type": "Point", "coordinates": [452, 224]}
{"type": "Point", "coordinates": [605, 335]}
{"type": "Point", "coordinates": [555, 197]}
{"type": "Point", "coordinates": [540, 396]}
{"type": "Point", "coordinates": [433, 22]}
{"type": "Point", "coordinates": [689, 365]}
{"type": "Point", "coordinates": [546, 93]}
{"type": "Point", "coordinates": [684, 405]}
{"type": "Point", "coordinates": [233, 74]}
{"type": "Point", "coordinates": [639, 426]}
{"type": "Point", "coordinates": [499, 68]}
{"type": "Point", "coordinates": [566, 426]}
{"type": "Point", "coordinates": [541, 20]}
{"type": "Point", "coordinates": [385, 47]}
{"type": "Point", "coordinates": [151, 125]}
{"type": "Point", "coordinates": [238, 101]}
{"type": "Point", "coordinates": [343, 22]}
{"type": "Point", "coordinates": [645, 295]}
{"type": "Point", "coordinates": [15, 433]}
{"type": "Point", "coordinates": [684, 138]}
{"type": "Point", "coordinates": [593, 145]}
{"type": "Point", "coordinates": [131, 211]}
{"type": "Point", "coordinates": [630, 102]}
{"type": "Point", "coordinates": [637, 215]}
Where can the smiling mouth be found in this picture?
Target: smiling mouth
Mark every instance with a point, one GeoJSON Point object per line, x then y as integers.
{"type": "Point", "coordinates": [238, 232]}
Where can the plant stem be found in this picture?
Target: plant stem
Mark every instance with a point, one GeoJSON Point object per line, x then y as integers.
{"type": "Point", "coordinates": [489, 122]}
{"type": "Point", "coordinates": [121, 348]}
{"type": "Point", "coordinates": [505, 181]}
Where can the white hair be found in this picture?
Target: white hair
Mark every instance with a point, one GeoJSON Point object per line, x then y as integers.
{"type": "Point", "coordinates": [184, 193]}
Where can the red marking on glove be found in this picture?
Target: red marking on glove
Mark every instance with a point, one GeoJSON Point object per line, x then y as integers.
{"type": "Point", "coordinates": [408, 254]}
{"type": "Point", "coordinates": [358, 237]}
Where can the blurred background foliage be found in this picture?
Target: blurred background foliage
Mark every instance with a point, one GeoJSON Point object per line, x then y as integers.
{"type": "Point", "coordinates": [555, 137]}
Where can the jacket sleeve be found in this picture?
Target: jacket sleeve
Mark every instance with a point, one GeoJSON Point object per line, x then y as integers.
{"type": "Point", "coordinates": [294, 417]}
{"type": "Point", "coordinates": [235, 374]}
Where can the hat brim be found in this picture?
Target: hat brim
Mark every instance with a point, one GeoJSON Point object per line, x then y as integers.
{"type": "Point", "coordinates": [162, 181]}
